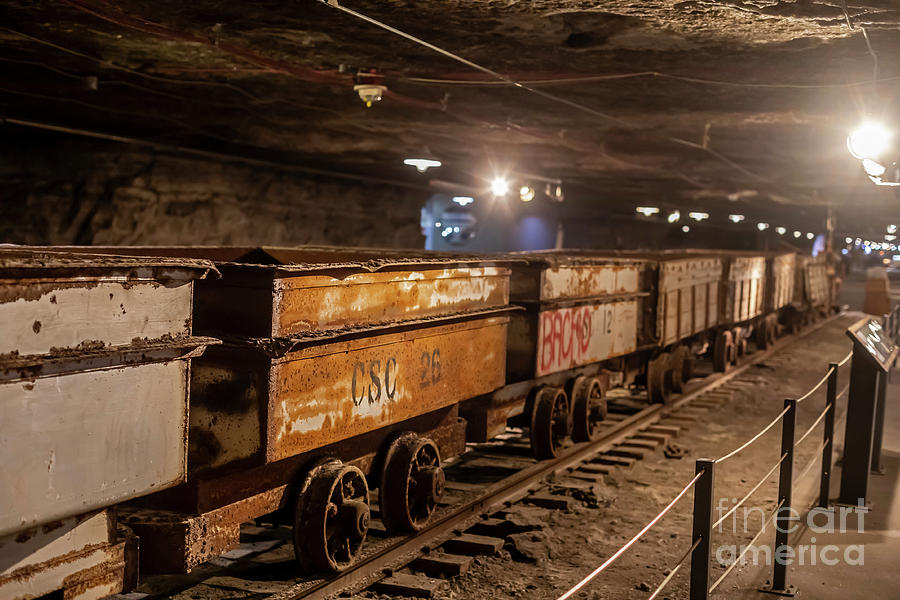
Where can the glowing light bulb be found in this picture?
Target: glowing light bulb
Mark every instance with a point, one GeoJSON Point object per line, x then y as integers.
{"type": "Point", "coordinates": [780, 230]}
{"type": "Point", "coordinates": [762, 226]}
{"type": "Point", "coordinates": [848, 240]}
{"type": "Point", "coordinates": [869, 140]}
{"type": "Point", "coordinates": [674, 216]}
{"type": "Point", "coordinates": [810, 236]}
{"type": "Point", "coordinates": [499, 186]}
{"type": "Point", "coordinates": [736, 218]}
{"type": "Point", "coordinates": [463, 200]}
{"type": "Point", "coordinates": [797, 234]}
{"type": "Point", "coordinates": [646, 210]}
{"type": "Point", "coordinates": [698, 216]}
{"type": "Point", "coordinates": [526, 193]}
{"type": "Point", "coordinates": [685, 228]}
{"type": "Point", "coordinates": [892, 229]}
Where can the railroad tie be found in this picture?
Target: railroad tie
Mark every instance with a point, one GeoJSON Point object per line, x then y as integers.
{"type": "Point", "coordinates": [442, 565]}
{"type": "Point", "coordinates": [407, 584]}
{"type": "Point", "coordinates": [672, 430]}
{"type": "Point", "coordinates": [470, 544]}
{"type": "Point", "coordinates": [623, 462]}
{"type": "Point", "coordinates": [551, 501]}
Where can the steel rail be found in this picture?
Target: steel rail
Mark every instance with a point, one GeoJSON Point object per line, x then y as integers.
{"type": "Point", "coordinates": [746, 548]}
{"type": "Point", "coordinates": [674, 570]}
{"type": "Point", "coordinates": [633, 540]}
{"type": "Point", "coordinates": [750, 493]}
{"type": "Point", "coordinates": [370, 569]}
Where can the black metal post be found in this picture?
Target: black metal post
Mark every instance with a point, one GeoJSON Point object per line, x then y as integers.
{"type": "Point", "coordinates": [828, 435]}
{"type": "Point", "coordinates": [785, 483]}
{"type": "Point", "coordinates": [858, 434]}
{"type": "Point", "coordinates": [703, 519]}
{"type": "Point", "coordinates": [878, 432]}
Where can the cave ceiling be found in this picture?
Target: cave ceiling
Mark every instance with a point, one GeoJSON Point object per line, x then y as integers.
{"type": "Point", "coordinates": [696, 104]}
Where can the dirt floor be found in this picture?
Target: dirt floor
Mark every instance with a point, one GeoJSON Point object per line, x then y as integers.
{"type": "Point", "coordinates": [555, 549]}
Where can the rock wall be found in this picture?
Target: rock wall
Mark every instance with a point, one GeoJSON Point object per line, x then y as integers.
{"type": "Point", "coordinates": [73, 192]}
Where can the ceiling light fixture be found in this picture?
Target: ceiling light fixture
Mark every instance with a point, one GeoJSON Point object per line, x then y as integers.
{"type": "Point", "coordinates": [526, 193]}
{"type": "Point", "coordinates": [647, 210]}
{"type": "Point", "coordinates": [780, 230]}
{"type": "Point", "coordinates": [422, 164]}
{"type": "Point", "coordinates": [797, 234]}
{"type": "Point", "coordinates": [892, 229]}
{"type": "Point", "coordinates": [499, 186]}
{"type": "Point", "coordinates": [869, 140]}
{"type": "Point", "coordinates": [698, 216]}
{"type": "Point", "coordinates": [762, 226]}
{"type": "Point", "coordinates": [736, 218]}
{"type": "Point", "coordinates": [674, 216]}
{"type": "Point", "coordinates": [463, 200]}
{"type": "Point", "coordinates": [685, 229]}
{"type": "Point", "coordinates": [810, 236]}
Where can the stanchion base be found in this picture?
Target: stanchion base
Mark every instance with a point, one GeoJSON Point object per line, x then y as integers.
{"type": "Point", "coordinates": [788, 592]}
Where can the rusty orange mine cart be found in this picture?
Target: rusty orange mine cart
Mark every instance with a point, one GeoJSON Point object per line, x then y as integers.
{"type": "Point", "coordinates": [340, 370]}
{"type": "Point", "coordinates": [94, 366]}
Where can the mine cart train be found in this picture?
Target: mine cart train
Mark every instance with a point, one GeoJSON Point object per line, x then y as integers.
{"type": "Point", "coordinates": [167, 395]}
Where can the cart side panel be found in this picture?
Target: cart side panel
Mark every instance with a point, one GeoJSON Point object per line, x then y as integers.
{"type": "Point", "coordinates": [782, 293]}
{"type": "Point", "coordinates": [335, 391]}
{"type": "Point", "coordinates": [816, 283]}
{"type": "Point", "coordinates": [575, 336]}
{"type": "Point", "coordinates": [317, 302]}
{"type": "Point", "coordinates": [585, 281]}
{"type": "Point", "coordinates": [42, 314]}
{"type": "Point", "coordinates": [85, 440]}
{"type": "Point", "coordinates": [747, 287]}
{"type": "Point", "coordinates": [689, 288]}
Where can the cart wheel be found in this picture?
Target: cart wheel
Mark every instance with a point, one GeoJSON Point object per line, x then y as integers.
{"type": "Point", "coordinates": [680, 368]}
{"type": "Point", "coordinates": [659, 379]}
{"type": "Point", "coordinates": [549, 422]}
{"type": "Point", "coordinates": [331, 517]}
{"type": "Point", "coordinates": [723, 349]}
{"type": "Point", "coordinates": [588, 407]}
{"type": "Point", "coordinates": [412, 483]}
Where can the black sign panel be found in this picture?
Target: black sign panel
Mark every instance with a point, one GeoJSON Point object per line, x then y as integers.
{"type": "Point", "coordinates": [869, 334]}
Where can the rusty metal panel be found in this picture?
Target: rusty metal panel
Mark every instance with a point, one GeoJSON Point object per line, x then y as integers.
{"type": "Point", "coordinates": [589, 280]}
{"type": "Point", "coordinates": [315, 302]}
{"type": "Point", "coordinates": [79, 555]}
{"type": "Point", "coordinates": [87, 440]}
{"type": "Point", "coordinates": [689, 287]}
{"type": "Point", "coordinates": [781, 293]}
{"type": "Point", "coordinates": [325, 393]}
{"type": "Point", "coordinates": [746, 279]}
{"type": "Point", "coordinates": [580, 335]}
{"type": "Point", "coordinates": [815, 282]}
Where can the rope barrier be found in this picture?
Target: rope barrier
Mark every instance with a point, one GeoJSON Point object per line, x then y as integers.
{"type": "Point", "coordinates": [816, 457]}
{"type": "Point", "coordinates": [631, 542]}
{"type": "Point", "coordinates": [842, 392]}
{"type": "Point", "coordinates": [846, 358]}
{"type": "Point", "coordinates": [750, 493]}
{"type": "Point", "coordinates": [813, 426]}
{"type": "Point", "coordinates": [816, 387]}
{"type": "Point", "coordinates": [754, 438]}
{"type": "Point", "coordinates": [674, 570]}
{"type": "Point", "coordinates": [747, 547]}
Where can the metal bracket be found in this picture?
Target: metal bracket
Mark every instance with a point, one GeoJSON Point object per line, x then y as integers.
{"type": "Point", "coordinates": [789, 592]}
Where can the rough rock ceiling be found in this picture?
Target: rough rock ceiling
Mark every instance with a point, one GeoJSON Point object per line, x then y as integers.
{"type": "Point", "coordinates": [765, 90]}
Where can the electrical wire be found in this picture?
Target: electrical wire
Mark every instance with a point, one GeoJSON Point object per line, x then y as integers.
{"type": "Point", "coordinates": [564, 101]}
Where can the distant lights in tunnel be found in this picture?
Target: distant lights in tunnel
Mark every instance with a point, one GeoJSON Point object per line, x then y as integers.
{"type": "Point", "coordinates": [848, 240]}
{"type": "Point", "coordinates": [844, 251]}
{"type": "Point", "coordinates": [686, 228]}
{"type": "Point", "coordinates": [762, 226]}
{"type": "Point", "coordinates": [499, 186]}
{"type": "Point", "coordinates": [892, 229]}
{"type": "Point", "coordinates": [526, 193]}
{"type": "Point", "coordinates": [422, 164]}
{"type": "Point", "coordinates": [810, 235]}
{"type": "Point", "coordinates": [780, 230]}
{"type": "Point", "coordinates": [698, 216]}
{"type": "Point", "coordinates": [797, 234]}
{"type": "Point", "coordinates": [647, 211]}
{"type": "Point", "coordinates": [890, 238]}
{"type": "Point", "coordinates": [674, 216]}
{"type": "Point", "coordinates": [735, 218]}
{"type": "Point", "coordinates": [463, 200]}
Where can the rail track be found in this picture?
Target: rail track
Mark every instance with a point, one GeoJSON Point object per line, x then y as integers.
{"type": "Point", "coordinates": [627, 419]}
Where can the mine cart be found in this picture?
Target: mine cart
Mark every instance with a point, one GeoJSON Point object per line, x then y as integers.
{"type": "Point", "coordinates": [812, 289]}
{"type": "Point", "coordinates": [340, 370]}
{"type": "Point", "coordinates": [779, 296]}
{"type": "Point", "coordinates": [583, 323]}
{"type": "Point", "coordinates": [94, 366]}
